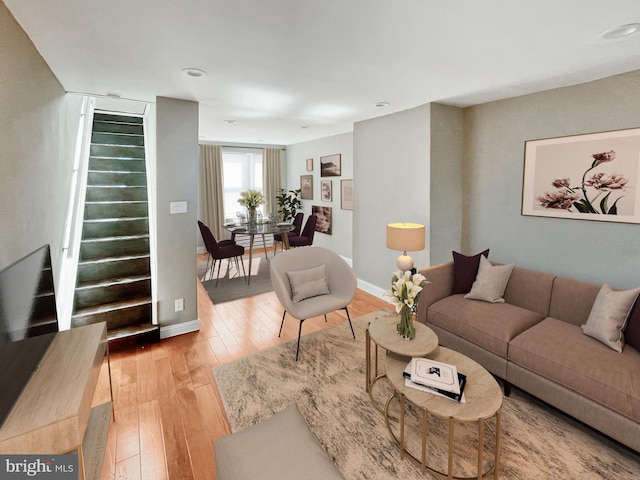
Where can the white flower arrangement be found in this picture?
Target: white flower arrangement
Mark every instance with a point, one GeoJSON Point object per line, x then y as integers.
{"type": "Point", "coordinates": [251, 199]}
{"type": "Point", "coordinates": [405, 290]}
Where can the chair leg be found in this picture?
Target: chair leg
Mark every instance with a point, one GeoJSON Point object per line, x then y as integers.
{"type": "Point", "coordinates": [206, 271]}
{"type": "Point", "coordinates": [299, 334]}
{"type": "Point", "coordinates": [350, 324]}
{"type": "Point", "coordinates": [281, 324]}
{"type": "Point", "coordinates": [244, 272]}
{"type": "Point", "coordinates": [325, 317]}
{"type": "Point", "coordinates": [218, 276]}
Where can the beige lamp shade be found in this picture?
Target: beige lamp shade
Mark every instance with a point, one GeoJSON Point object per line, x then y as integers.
{"type": "Point", "coordinates": [405, 237]}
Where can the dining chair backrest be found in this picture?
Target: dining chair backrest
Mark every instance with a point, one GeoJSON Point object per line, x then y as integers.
{"type": "Point", "coordinates": [210, 242]}
{"type": "Point", "coordinates": [310, 228]}
{"type": "Point", "coordinates": [297, 223]}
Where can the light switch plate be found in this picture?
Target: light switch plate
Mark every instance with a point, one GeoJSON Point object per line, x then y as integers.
{"type": "Point", "coordinates": [179, 304]}
{"type": "Point", "coordinates": [178, 207]}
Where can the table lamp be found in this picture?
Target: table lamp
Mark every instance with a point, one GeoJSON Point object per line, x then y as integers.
{"type": "Point", "coordinates": [405, 237]}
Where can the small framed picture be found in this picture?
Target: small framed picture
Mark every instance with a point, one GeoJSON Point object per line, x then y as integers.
{"type": "Point", "coordinates": [346, 194]}
{"type": "Point", "coordinates": [306, 187]}
{"type": "Point", "coordinates": [331, 165]}
{"type": "Point", "coordinates": [309, 164]}
{"type": "Point", "coordinates": [325, 190]}
{"type": "Point", "coordinates": [323, 224]}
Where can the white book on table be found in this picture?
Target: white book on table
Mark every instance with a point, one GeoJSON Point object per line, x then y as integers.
{"type": "Point", "coordinates": [434, 374]}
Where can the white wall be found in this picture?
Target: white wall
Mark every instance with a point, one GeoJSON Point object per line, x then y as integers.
{"type": "Point", "coordinates": [176, 180]}
{"type": "Point", "coordinates": [494, 150]}
{"type": "Point", "coordinates": [38, 125]}
{"type": "Point", "coordinates": [391, 184]}
{"type": "Point", "coordinates": [341, 239]}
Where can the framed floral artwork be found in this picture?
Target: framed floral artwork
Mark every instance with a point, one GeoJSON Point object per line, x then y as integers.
{"type": "Point", "coordinates": [593, 176]}
{"type": "Point", "coordinates": [324, 221]}
{"type": "Point", "coordinates": [309, 164]}
{"type": "Point", "coordinates": [325, 190]}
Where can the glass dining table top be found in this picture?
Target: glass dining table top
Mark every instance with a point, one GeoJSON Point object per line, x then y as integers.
{"type": "Point", "coordinates": [258, 228]}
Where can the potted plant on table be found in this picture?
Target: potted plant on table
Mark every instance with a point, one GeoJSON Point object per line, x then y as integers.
{"type": "Point", "coordinates": [288, 203]}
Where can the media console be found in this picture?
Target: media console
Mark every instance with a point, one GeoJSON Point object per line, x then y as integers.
{"type": "Point", "coordinates": [53, 414]}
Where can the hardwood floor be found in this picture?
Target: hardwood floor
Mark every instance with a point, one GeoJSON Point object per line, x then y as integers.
{"type": "Point", "coordinates": [167, 407]}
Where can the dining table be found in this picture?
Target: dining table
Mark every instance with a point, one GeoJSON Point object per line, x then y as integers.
{"type": "Point", "coordinates": [260, 228]}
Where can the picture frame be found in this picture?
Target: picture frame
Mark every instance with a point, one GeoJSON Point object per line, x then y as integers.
{"type": "Point", "coordinates": [331, 165]}
{"type": "Point", "coordinates": [325, 190]}
{"type": "Point", "coordinates": [309, 164]}
{"type": "Point", "coordinates": [324, 223]}
{"type": "Point", "coordinates": [306, 187]}
{"type": "Point", "coordinates": [346, 194]}
{"type": "Point", "coordinates": [594, 176]}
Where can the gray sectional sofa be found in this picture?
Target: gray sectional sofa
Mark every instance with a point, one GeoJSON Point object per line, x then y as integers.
{"type": "Point", "coordinates": [534, 341]}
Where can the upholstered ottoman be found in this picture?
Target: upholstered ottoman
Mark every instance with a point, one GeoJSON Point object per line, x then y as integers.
{"type": "Point", "coordinates": [279, 448]}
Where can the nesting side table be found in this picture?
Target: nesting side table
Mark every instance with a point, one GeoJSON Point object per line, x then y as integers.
{"type": "Point", "coordinates": [382, 332]}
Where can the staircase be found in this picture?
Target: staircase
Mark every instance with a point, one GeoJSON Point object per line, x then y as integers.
{"type": "Point", "coordinates": [113, 283]}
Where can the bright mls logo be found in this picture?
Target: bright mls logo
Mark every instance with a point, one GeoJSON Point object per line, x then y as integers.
{"type": "Point", "coordinates": [51, 467]}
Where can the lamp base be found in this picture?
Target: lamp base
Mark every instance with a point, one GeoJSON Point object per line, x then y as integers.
{"type": "Point", "coordinates": [404, 262]}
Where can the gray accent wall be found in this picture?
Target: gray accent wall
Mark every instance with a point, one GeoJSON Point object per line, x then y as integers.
{"type": "Point", "coordinates": [38, 127]}
{"type": "Point", "coordinates": [494, 136]}
{"type": "Point", "coordinates": [176, 180]}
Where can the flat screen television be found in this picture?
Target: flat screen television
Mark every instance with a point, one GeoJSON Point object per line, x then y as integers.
{"type": "Point", "coordinates": [28, 322]}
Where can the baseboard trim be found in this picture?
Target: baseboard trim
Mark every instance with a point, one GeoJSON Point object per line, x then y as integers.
{"type": "Point", "coordinates": [179, 329]}
{"type": "Point", "coordinates": [372, 289]}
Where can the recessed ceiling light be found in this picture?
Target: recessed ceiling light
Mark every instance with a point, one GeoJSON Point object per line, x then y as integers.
{"type": "Point", "coordinates": [231, 122]}
{"type": "Point", "coordinates": [194, 72]}
{"type": "Point", "coordinates": [382, 104]}
{"type": "Point", "coordinates": [621, 31]}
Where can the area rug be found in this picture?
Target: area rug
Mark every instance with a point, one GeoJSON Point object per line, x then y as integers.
{"type": "Point", "coordinates": [328, 385]}
{"type": "Point", "coordinates": [233, 285]}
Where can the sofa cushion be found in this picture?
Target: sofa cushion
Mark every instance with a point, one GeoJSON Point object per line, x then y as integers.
{"type": "Point", "coordinates": [490, 282]}
{"type": "Point", "coordinates": [530, 289]}
{"type": "Point", "coordinates": [465, 270]}
{"type": "Point", "coordinates": [632, 332]}
{"type": "Point", "coordinates": [609, 315]}
{"type": "Point", "coordinates": [558, 351]}
{"type": "Point", "coordinates": [488, 325]}
{"type": "Point", "coordinates": [571, 300]}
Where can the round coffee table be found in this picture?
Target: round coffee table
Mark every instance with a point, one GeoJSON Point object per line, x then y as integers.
{"type": "Point", "coordinates": [383, 333]}
{"type": "Point", "coordinates": [483, 401]}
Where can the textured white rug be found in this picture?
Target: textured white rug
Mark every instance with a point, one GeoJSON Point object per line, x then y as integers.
{"type": "Point", "coordinates": [328, 385]}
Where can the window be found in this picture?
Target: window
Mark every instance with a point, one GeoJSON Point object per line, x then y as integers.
{"type": "Point", "coordinates": [242, 171]}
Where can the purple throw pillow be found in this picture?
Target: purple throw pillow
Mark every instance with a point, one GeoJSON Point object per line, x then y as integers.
{"type": "Point", "coordinates": [632, 331]}
{"type": "Point", "coordinates": [465, 270]}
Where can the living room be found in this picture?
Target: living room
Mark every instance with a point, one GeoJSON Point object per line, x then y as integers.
{"type": "Point", "coordinates": [457, 170]}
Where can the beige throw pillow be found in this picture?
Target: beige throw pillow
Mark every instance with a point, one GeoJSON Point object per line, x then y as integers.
{"type": "Point", "coordinates": [609, 315]}
{"type": "Point", "coordinates": [490, 282]}
{"type": "Point", "coordinates": [308, 283]}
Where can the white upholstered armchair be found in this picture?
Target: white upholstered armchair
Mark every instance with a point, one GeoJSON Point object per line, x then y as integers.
{"type": "Point", "coordinates": [312, 281]}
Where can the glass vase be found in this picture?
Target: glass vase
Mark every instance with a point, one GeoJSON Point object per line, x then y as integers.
{"type": "Point", "coordinates": [252, 216]}
{"type": "Point", "coordinates": [406, 329]}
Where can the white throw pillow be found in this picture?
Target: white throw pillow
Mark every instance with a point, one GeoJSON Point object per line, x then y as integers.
{"type": "Point", "coordinates": [308, 283]}
{"type": "Point", "coordinates": [491, 282]}
{"type": "Point", "coordinates": [609, 315]}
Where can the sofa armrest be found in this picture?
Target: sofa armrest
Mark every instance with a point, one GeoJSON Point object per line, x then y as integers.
{"type": "Point", "coordinates": [441, 280]}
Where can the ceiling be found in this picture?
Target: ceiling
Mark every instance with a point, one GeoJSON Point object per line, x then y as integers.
{"type": "Point", "coordinates": [280, 65]}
